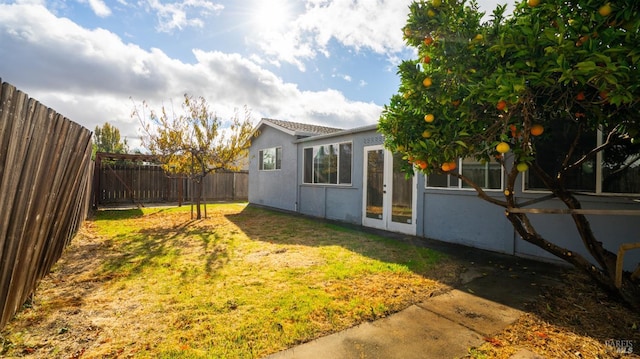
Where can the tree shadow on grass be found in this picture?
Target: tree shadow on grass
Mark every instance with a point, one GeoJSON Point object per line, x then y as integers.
{"type": "Point", "coordinates": [156, 246]}
{"type": "Point", "coordinates": [555, 292]}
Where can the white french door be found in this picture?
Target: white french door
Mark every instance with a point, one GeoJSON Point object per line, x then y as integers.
{"type": "Point", "coordinates": [389, 198]}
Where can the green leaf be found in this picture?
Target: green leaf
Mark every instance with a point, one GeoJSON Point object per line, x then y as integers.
{"type": "Point", "coordinates": [611, 79]}
{"type": "Point", "coordinates": [586, 65]}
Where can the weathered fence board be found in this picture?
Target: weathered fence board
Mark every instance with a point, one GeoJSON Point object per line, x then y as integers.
{"type": "Point", "coordinates": [125, 179]}
{"type": "Point", "coordinates": [45, 177]}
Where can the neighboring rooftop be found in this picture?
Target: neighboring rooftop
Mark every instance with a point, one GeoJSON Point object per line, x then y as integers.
{"type": "Point", "coordinates": [299, 129]}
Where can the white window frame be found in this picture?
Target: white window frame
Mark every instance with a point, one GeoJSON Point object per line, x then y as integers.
{"type": "Point", "coordinates": [459, 186]}
{"type": "Point", "coordinates": [338, 164]}
{"type": "Point", "coordinates": [598, 181]}
{"type": "Point", "coordinates": [277, 160]}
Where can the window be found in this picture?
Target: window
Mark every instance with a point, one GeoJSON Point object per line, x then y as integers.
{"type": "Point", "coordinates": [328, 164]}
{"type": "Point", "coordinates": [270, 159]}
{"type": "Point", "coordinates": [487, 175]}
{"type": "Point", "coordinates": [621, 171]}
{"type": "Point", "coordinates": [617, 170]}
{"type": "Point", "coordinates": [550, 152]}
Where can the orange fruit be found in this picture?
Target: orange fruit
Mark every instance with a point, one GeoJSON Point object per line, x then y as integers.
{"type": "Point", "coordinates": [533, 3]}
{"type": "Point", "coordinates": [452, 165]}
{"type": "Point", "coordinates": [605, 10]}
{"type": "Point", "coordinates": [429, 117]}
{"type": "Point", "coordinates": [514, 130]}
{"type": "Point", "coordinates": [580, 96]}
{"type": "Point", "coordinates": [426, 134]}
{"type": "Point", "coordinates": [428, 40]}
{"type": "Point", "coordinates": [522, 166]}
{"type": "Point", "coordinates": [426, 59]}
{"type": "Point", "coordinates": [503, 147]}
{"type": "Point", "coordinates": [427, 82]}
{"type": "Point", "coordinates": [502, 104]}
{"type": "Point", "coordinates": [448, 166]}
{"type": "Point", "coordinates": [537, 130]}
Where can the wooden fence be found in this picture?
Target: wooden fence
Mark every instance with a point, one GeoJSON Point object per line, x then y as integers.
{"type": "Point", "coordinates": [45, 180]}
{"type": "Point", "coordinates": [137, 179]}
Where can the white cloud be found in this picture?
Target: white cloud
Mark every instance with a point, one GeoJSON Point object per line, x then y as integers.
{"type": "Point", "coordinates": [373, 25]}
{"type": "Point", "coordinates": [100, 8]}
{"type": "Point", "coordinates": [32, 2]}
{"type": "Point", "coordinates": [347, 78]}
{"type": "Point", "coordinates": [181, 14]}
{"type": "Point", "coordinates": [89, 76]}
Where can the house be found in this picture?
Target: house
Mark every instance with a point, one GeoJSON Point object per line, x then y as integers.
{"type": "Point", "coordinates": [347, 175]}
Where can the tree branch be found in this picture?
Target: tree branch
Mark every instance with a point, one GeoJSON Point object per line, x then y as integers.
{"type": "Point", "coordinates": [481, 192]}
{"type": "Point", "coordinates": [610, 141]}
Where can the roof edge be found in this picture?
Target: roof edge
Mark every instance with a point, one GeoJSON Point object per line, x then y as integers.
{"type": "Point", "coordinates": [339, 133]}
{"type": "Point", "coordinates": [265, 121]}
{"type": "Point", "coordinates": [307, 130]}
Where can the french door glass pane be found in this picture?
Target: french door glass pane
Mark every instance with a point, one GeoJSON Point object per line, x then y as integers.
{"type": "Point", "coordinates": [402, 195]}
{"type": "Point", "coordinates": [375, 183]}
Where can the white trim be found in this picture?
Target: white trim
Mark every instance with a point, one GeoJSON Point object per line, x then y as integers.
{"type": "Point", "coordinates": [338, 133]}
{"type": "Point", "coordinates": [460, 187]}
{"type": "Point", "coordinates": [338, 183]}
{"type": "Point", "coordinates": [261, 159]}
{"type": "Point", "coordinates": [386, 222]}
{"type": "Point", "coordinates": [597, 191]}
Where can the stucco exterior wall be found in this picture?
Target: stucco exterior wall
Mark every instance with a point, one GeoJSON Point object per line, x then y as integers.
{"type": "Point", "coordinates": [274, 188]}
{"type": "Point", "coordinates": [449, 215]}
{"type": "Point", "coordinates": [459, 216]}
{"type": "Point", "coordinates": [612, 230]}
{"type": "Point", "coordinates": [337, 202]}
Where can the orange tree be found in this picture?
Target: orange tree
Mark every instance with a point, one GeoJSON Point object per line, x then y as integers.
{"type": "Point", "coordinates": [533, 90]}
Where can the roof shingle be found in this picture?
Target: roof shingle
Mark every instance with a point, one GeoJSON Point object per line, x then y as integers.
{"type": "Point", "coordinates": [302, 129]}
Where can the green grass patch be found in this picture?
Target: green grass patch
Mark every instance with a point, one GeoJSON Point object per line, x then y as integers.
{"type": "Point", "coordinates": [246, 282]}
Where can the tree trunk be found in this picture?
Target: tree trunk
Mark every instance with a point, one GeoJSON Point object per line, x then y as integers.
{"type": "Point", "coordinates": [604, 273]}
{"type": "Point", "coordinates": [198, 199]}
{"type": "Point", "coordinates": [604, 277]}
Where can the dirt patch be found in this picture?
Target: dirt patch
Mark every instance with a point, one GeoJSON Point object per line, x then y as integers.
{"type": "Point", "coordinates": [72, 319]}
{"type": "Point", "coordinates": [283, 257]}
{"type": "Point", "coordinates": [576, 320]}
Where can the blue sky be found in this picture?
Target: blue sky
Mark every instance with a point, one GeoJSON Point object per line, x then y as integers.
{"type": "Point", "coordinates": [327, 62]}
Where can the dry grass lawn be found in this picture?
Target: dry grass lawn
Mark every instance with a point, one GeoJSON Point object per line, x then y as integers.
{"type": "Point", "coordinates": [247, 282]}
{"type": "Point", "coordinates": [243, 283]}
